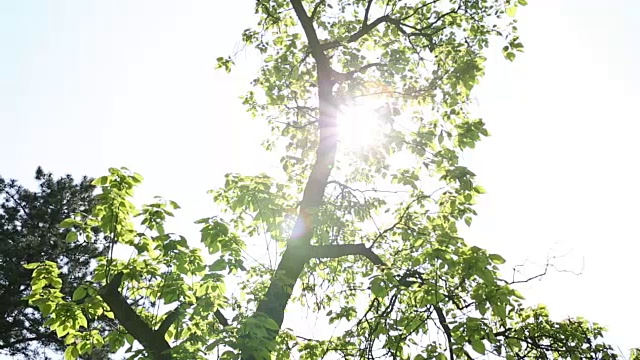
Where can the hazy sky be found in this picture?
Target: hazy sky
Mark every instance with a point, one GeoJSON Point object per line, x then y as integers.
{"type": "Point", "coordinates": [85, 85]}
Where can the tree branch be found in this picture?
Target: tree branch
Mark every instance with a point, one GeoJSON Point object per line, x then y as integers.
{"type": "Point", "coordinates": [221, 318]}
{"type": "Point", "coordinates": [310, 32]}
{"type": "Point", "coordinates": [152, 341]}
{"type": "Point", "coordinates": [23, 340]}
{"type": "Point", "coordinates": [447, 330]}
{"type": "Point", "coordinates": [314, 12]}
{"type": "Point", "coordinates": [364, 30]}
{"type": "Point", "coordinates": [366, 13]}
{"type": "Point", "coordinates": [167, 321]}
{"type": "Point", "coordinates": [398, 23]}
{"type": "Point", "coordinates": [342, 250]}
{"type": "Point", "coordinates": [349, 75]}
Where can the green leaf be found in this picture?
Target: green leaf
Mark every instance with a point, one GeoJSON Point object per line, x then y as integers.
{"type": "Point", "coordinates": [71, 236]}
{"type": "Point", "coordinates": [225, 64]}
{"type": "Point", "coordinates": [201, 290]}
{"type": "Point", "coordinates": [71, 353]}
{"type": "Point", "coordinates": [62, 330]}
{"type": "Point", "coordinates": [478, 346]}
{"type": "Point", "coordinates": [137, 177]}
{"type": "Point", "coordinates": [31, 265]}
{"type": "Point", "coordinates": [101, 181]}
{"type": "Point", "coordinates": [82, 320]}
{"type": "Point", "coordinates": [79, 293]}
{"type": "Point", "coordinates": [270, 324]}
{"type": "Point", "coordinates": [496, 259]}
{"type": "Point", "coordinates": [510, 55]}
{"type": "Point", "coordinates": [67, 223]}
{"type": "Point", "coordinates": [479, 189]}
{"type": "Point", "coordinates": [46, 308]}
{"type": "Point", "coordinates": [218, 265]}
{"type": "Point", "coordinates": [511, 11]}
{"type": "Point", "coordinates": [377, 288]}
{"type": "Point", "coordinates": [500, 311]}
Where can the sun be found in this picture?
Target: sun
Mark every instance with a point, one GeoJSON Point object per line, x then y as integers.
{"type": "Point", "coordinates": [359, 126]}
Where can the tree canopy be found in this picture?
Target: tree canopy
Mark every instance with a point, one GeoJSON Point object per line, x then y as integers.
{"type": "Point", "coordinates": [29, 232]}
{"type": "Point", "coordinates": [363, 223]}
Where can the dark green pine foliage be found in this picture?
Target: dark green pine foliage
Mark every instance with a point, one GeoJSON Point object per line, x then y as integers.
{"type": "Point", "coordinates": [29, 233]}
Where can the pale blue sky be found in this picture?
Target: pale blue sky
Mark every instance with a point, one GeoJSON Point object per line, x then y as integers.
{"type": "Point", "coordinates": [85, 85]}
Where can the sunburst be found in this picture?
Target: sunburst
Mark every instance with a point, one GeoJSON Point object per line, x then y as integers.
{"type": "Point", "coordinates": [359, 126]}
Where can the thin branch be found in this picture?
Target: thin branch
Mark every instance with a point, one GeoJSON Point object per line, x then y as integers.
{"type": "Point", "coordinates": [308, 109]}
{"type": "Point", "coordinates": [19, 203]}
{"type": "Point", "coordinates": [366, 13]}
{"type": "Point", "coordinates": [401, 217]}
{"type": "Point", "coordinates": [366, 28]}
{"type": "Point", "coordinates": [418, 8]}
{"type": "Point", "coordinates": [547, 265]}
{"type": "Point", "coordinates": [342, 250]}
{"type": "Point", "coordinates": [221, 318]}
{"type": "Point", "coordinates": [168, 320]}
{"type": "Point", "coordinates": [314, 12]}
{"type": "Point", "coordinates": [445, 327]}
{"type": "Point", "coordinates": [352, 189]}
{"type": "Point", "coordinates": [288, 124]}
{"type": "Point", "coordinates": [349, 75]}
{"type": "Point", "coordinates": [20, 341]}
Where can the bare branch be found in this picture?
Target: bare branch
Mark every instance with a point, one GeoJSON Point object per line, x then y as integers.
{"type": "Point", "coordinates": [548, 264]}
{"type": "Point", "coordinates": [352, 189]}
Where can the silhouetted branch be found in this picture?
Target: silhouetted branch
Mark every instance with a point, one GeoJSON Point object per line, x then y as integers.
{"type": "Point", "coordinates": [349, 75]}
{"type": "Point", "coordinates": [152, 341]}
{"type": "Point", "coordinates": [221, 318]}
{"type": "Point", "coordinates": [342, 250]}
{"type": "Point", "coordinates": [364, 30]}
{"type": "Point", "coordinates": [168, 320]}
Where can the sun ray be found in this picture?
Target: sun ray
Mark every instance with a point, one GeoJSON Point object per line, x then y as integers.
{"type": "Point", "coordinates": [359, 126]}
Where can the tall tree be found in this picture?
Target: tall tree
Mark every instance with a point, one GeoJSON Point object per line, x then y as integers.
{"type": "Point", "coordinates": [29, 232]}
{"type": "Point", "coordinates": [367, 230]}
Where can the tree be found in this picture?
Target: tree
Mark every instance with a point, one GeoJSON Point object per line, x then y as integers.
{"type": "Point", "coordinates": [29, 232]}
{"type": "Point", "coordinates": [367, 234]}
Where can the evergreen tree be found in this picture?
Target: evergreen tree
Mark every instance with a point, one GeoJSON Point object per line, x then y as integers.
{"type": "Point", "coordinates": [29, 232]}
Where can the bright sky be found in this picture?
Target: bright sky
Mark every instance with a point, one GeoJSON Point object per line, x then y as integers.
{"type": "Point", "coordinates": [85, 85]}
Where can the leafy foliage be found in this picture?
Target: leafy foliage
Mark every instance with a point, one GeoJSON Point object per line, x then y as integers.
{"type": "Point", "coordinates": [367, 235]}
{"type": "Point", "coordinates": [29, 232]}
